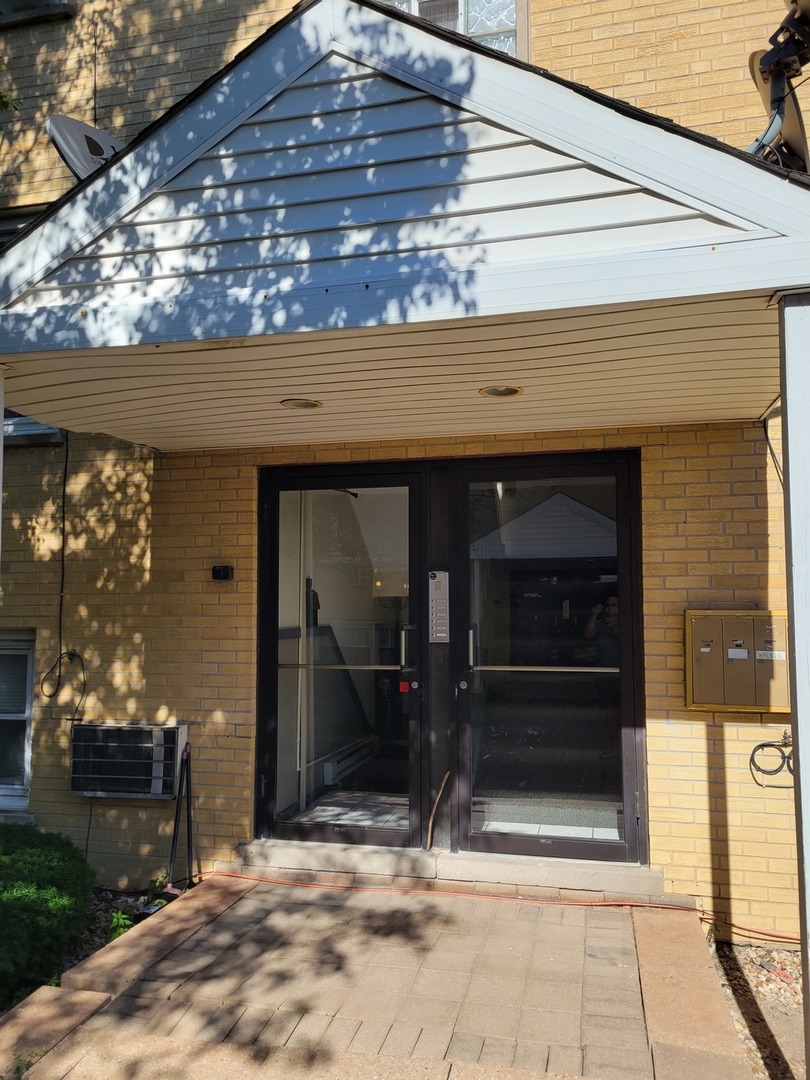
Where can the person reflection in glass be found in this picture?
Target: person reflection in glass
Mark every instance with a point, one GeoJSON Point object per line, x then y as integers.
{"type": "Point", "coordinates": [602, 627]}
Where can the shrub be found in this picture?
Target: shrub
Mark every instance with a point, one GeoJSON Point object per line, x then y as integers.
{"type": "Point", "coordinates": [45, 894]}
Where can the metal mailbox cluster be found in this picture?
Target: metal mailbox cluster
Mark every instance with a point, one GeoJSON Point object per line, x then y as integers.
{"type": "Point", "coordinates": [737, 660]}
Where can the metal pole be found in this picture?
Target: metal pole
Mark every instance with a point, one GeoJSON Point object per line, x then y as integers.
{"type": "Point", "coordinates": [795, 380]}
{"type": "Point", "coordinates": [178, 809]}
{"type": "Point", "coordinates": [189, 831]}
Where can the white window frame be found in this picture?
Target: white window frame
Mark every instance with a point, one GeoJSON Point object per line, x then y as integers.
{"type": "Point", "coordinates": [521, 28]}
{"type": "Point", "coordinates": [20, 642]}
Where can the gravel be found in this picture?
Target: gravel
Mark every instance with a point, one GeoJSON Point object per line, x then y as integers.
{"type": "Point", "coordinates": [763, 986]}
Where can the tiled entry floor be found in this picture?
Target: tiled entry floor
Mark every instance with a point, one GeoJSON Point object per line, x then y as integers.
{"type": "Point", "coordinates": [592, 819]}
{"type": "Point", "coordinates": [597, 819]}
{"type": "Point", "coordinates": [363, 808]}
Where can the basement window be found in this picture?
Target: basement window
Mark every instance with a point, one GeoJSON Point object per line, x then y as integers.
{"type": "Point", "coordinates": [16, 697]}
{"type": "Point", "coordinates": [22, 12]}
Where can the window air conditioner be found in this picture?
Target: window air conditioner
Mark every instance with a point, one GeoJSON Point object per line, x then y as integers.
{"type": "Point", "coordinates": [128, 761]}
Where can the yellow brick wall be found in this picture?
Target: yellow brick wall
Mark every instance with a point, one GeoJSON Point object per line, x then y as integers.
{"type": "Point", "coordinates": [118, 64]}
{"type": "Point", "coordinates": [681, 59]}
{"type": "Point", "coordinates": [163, 642]}
{"type": "Point", "coordinates": [121, 64]}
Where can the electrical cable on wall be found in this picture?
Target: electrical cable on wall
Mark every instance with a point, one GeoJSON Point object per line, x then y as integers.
{"type": "Point", "coordinates": [61, 654]}
{"type": "Point", "coordinates": [95, 74]}
{"type": "Point", "coordinates": [89, 826]}
{"type": "Point", "coordinates": [69, 655]}
{"type": "Point", "coordinates": [56, 669]}
{"type": "Point", "coordinates": [762, 758]}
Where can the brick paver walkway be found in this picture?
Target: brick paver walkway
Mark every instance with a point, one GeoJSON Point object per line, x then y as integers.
{"type": "Point", "coordinates": [424, 976]}
{"type": "Point", "coordinates": [327, 974]}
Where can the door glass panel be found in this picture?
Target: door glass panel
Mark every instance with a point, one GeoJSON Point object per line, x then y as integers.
{"type": "Point", "coordinates": [546, 705]}
{"type": "Point", "coordinates": [342, 747]}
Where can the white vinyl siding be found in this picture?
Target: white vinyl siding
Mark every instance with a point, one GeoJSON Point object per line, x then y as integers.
{"type": "Point", "coordinates": [369, 213]}
{"type": "Point", "coordinates": [673, 362]}
{"type": "Point", "coordinates": [350, 176]}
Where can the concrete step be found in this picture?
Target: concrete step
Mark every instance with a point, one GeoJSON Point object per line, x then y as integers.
{"type": "Point", "coordinates": [483, 872]}
{"type": "Point", "coordinates": [86, 1055]}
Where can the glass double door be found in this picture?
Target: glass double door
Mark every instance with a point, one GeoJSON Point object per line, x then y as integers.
{"type": "Point", "coordinates": [476, 619]}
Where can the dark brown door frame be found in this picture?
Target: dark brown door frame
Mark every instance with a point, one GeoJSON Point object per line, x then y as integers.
{"type": "Point", "coordinates": [438, 512]}
{"type": "Point", "coordinates": [295, 478]}
{"type": "Point", "coordinates": [625, 467]}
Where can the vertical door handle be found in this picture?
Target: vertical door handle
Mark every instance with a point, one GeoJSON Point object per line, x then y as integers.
{"type": "Point", "coordinates": [471, 647]}
{"type": "Point", "coordinates": [403, 651]}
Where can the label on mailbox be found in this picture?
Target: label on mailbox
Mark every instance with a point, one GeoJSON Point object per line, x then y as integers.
{"type": "Point", "coordinates": [771, 654]}
{"type": "Point", "coordinates": [438, 606]}
{"type": "Point", "coordinates": [738, 654]}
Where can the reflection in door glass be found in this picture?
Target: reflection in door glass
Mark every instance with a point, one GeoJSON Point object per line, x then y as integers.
{"type": "Point", "coordinates": [342, 757]}
{"type": "Point", "coordinates": [546, 706]}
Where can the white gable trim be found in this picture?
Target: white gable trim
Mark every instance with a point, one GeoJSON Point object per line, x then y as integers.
{"type": "Point", "coordinates": [670, 180]}
{"type": "Point", "coordinates": [675, 166]}
{"type": "Point", "coordinates": [573, 123]}
{"type": "Point", "coordinates": [710, 270]}
{"type": "Point", "coordinates": [118, 189]}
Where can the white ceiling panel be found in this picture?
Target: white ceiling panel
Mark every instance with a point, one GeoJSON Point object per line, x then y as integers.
{"type": "Point", "coordinates": [667, 363]}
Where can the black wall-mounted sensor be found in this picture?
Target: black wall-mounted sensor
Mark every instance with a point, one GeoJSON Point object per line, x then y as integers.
{"type": "Point", "coordinates": [222, 573]}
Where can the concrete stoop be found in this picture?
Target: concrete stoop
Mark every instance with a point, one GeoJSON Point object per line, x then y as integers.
{"type": "Point", "coordinates": [482, 872]}
{"type": "Point", "coordinates": [42, 1021]}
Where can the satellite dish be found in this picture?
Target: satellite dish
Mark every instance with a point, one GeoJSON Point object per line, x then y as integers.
{"type": "Point", "coordinates": [82, 148]}
{"type": "Point", "coordinates": [786, 145]}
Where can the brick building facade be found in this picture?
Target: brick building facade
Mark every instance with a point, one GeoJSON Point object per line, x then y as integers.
{"type": "Point", "coordinates": [162, 642]}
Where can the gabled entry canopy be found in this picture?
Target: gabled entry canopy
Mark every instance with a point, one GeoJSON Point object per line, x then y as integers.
{"type": "Point", "coordinates": [371, 213]}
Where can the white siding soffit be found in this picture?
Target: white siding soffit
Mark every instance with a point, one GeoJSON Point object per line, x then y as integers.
{"type": "Point", "coordinates": [670, 362]}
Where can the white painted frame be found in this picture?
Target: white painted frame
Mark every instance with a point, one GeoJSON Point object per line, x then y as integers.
{"type": "Point", "coordinates": [795, 359]}
{"type": "Point", "coordinates": [15, 796]}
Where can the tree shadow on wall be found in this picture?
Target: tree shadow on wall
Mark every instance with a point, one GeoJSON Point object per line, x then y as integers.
{"type": "Point", "coordinates": [286, 254]}
{"type": "Point", "coordinates": [117, 64]}
{"type": "Point", "coordinates": [76, 568]}
{"type": "Point", "coordinates": [343, 201]}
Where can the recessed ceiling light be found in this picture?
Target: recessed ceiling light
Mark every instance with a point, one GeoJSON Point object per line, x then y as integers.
{"type": "Point", "coordinates": [301, 403]}
{"type": "Point", "coordinates": [501, 391]}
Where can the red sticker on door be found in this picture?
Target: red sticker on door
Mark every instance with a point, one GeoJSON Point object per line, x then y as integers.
{"type": "Point", "coordinates": [404, 687]}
